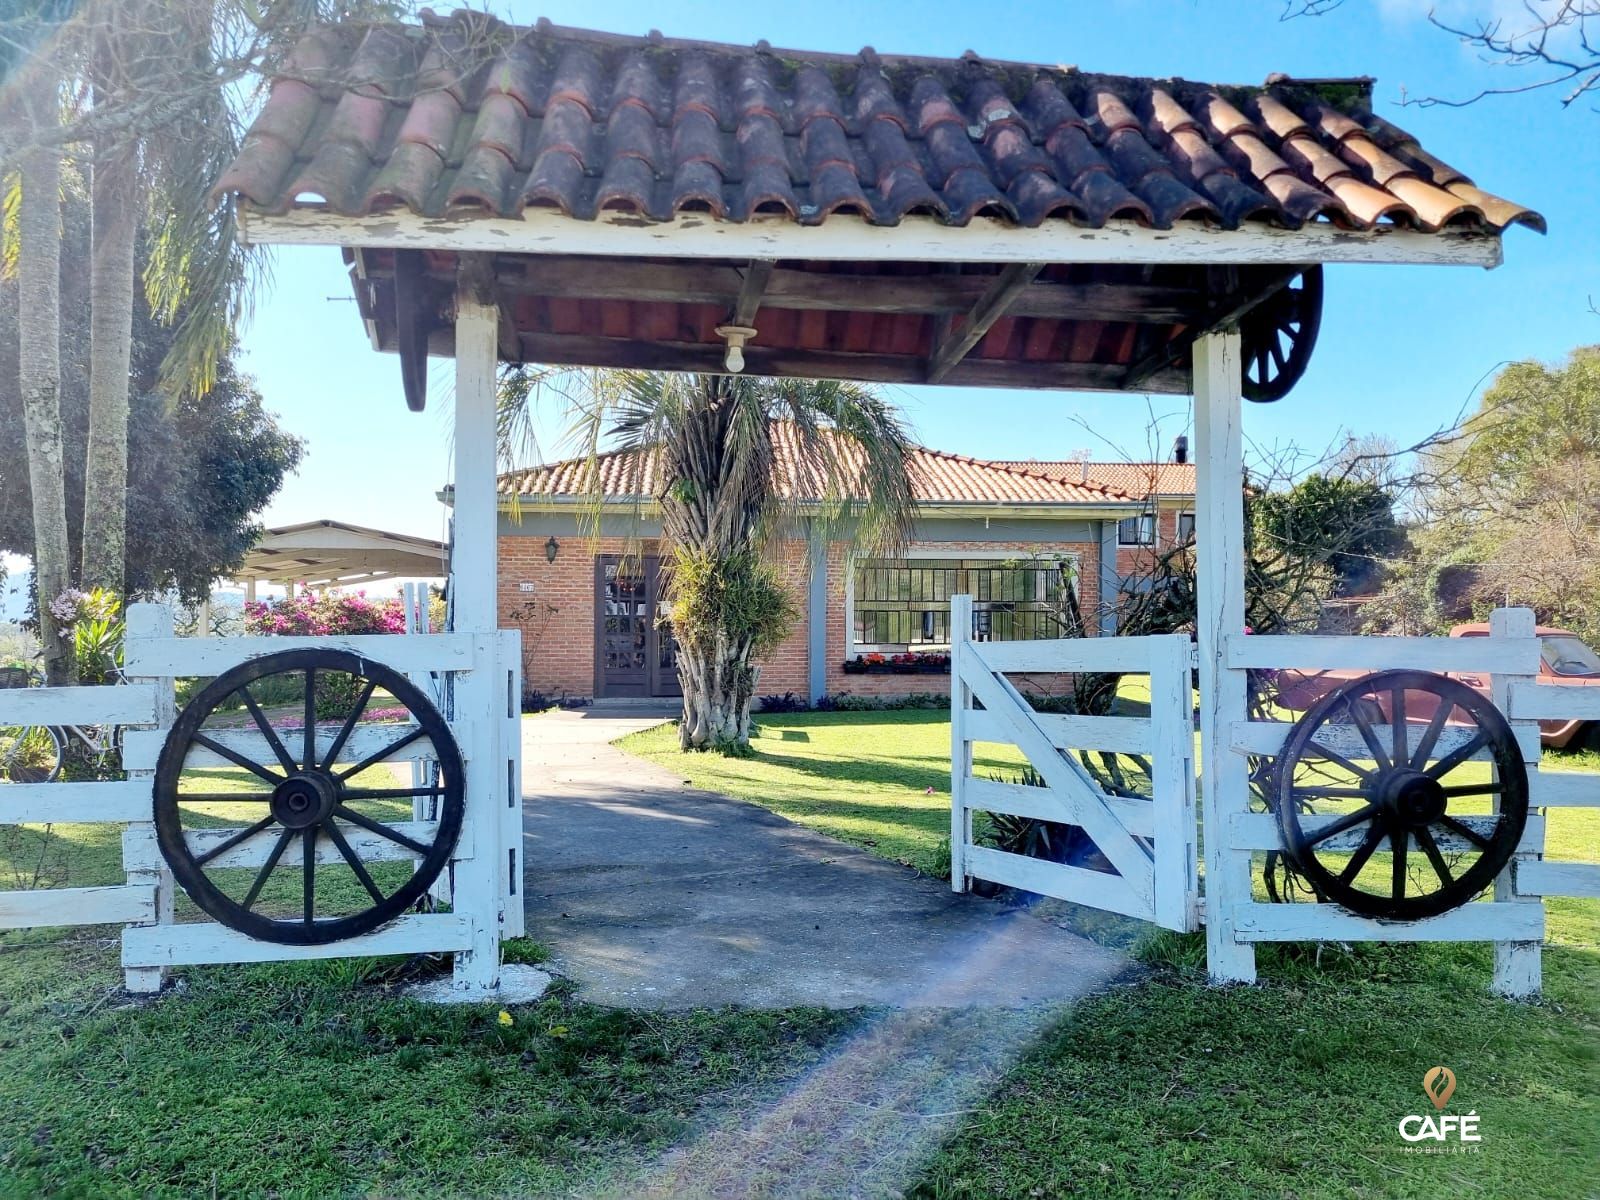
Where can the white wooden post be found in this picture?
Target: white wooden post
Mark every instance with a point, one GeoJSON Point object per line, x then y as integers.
{"type": "Point", "coordinates": [152, 621]}
{"type": "Point", "coordinates": [1219, 544]}
{"type": "Point", "coordinates": [1518, 966]}
{"type": "Point", "coordinates": [960, 747]}
{"type": "Point", "coordinates": [474, 569]}
{"type": "Point", "coordinates": [1172, 780]}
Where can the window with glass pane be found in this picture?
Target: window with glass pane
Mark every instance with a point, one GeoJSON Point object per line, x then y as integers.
{"type": "Point", "coordinates": [906, 602]}
{"type": "Point", "coordinates": [1137, 531]}
{"type": "Point", "coordinates": [1185, 527]}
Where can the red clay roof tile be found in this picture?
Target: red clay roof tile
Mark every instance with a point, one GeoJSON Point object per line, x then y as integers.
{"type": "Point", "coordinates": [464, 114]}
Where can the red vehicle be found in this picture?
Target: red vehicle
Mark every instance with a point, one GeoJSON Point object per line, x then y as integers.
{"type": "Point", "coordinates": [1564, 659]}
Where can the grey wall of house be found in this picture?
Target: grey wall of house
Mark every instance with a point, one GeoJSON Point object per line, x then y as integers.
{"type": "Point", "coordinates": [1110, 581]}
{"type": "Point", "coordinates": [929, 529]}
{"type": "Point", "coordinates": [816, 614]}
{"type": "Point", "coordinates": [576, 525]}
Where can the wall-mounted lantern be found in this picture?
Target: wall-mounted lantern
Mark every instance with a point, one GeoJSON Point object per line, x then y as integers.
{"type": "Point", "coordinates": [551, 549]}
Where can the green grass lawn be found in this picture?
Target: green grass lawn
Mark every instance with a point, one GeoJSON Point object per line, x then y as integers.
{"type": "Point", "coordinates": [320, 1079]}
{"type": "Point", "coordinates": [1292, 1088]}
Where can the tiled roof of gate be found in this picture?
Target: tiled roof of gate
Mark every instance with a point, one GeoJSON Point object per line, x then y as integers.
{"type": "Point", "coordinates": [463, 116]}
{"type": "Point", "coordinates": [938, 478]}
{"type": "Point", "coordinates": [1139, 479]}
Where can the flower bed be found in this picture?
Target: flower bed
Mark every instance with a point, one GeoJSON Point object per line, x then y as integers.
{"type": "Point", "coordinates": [898, 664]}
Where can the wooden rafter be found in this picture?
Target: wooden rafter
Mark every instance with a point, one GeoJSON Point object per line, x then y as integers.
{"type": "Point", "coordinates": [953, 346]}
{"type": "Point", "coordinates": [756, 277]}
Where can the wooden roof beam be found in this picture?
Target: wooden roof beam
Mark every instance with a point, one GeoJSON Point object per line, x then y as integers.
{"type": "Point", "coordinates": [956, 341]}
{"type": "Point", "coordinates": [757, 274]}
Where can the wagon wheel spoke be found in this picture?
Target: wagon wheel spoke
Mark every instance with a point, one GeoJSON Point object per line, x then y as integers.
{"type": "Point", "coordinates": [1348, 821]}
{"type": "Point", "coordinates": [1368, 735]}
{"type": "Point", "coordinates": [1430, 735]}
{"type": "Point", "coordinates": [1465, 830]}
{"type": "Point", "coordinates": [267, 731]}
{"type": "Point", "coordinates": [379, 828]}
{"type": "Point", "coordinates": [1338, 759]}
{"type": "Point", "coordinates": [1459, 755]}
{"type": "Point", "coordinates": [380, 755]}
{"type": "Point", "coordinates": [227, 844]}
{"type": "Point", "coordinates": [1328, 792]}
{"type": "Point", "coordinates": [1368, 847]}
{"type": "Point", "coordinates": [395, 793]}
{"type": "Point", "coordinates": [1397, 841]}
{"type": "Point", "coordinates": [309, 880]}
{"type": "Point", "coordinates": [224, 797]}
{"type": "Point", "coordinates": [349, 725]}
{"type": "Point", "coordinates": [1397, 726]}
{"type": "Point", "coordinates": [1474, 789]}
{"type": "Point", "coordinates": [351, 857]}
{"type": "Point", "coordinates": [266, 869]}
{"type": "Point", "coordinates": [310, 756]}
{"type": "Point", "coordinates": [1431, 849]}
{"type": "Point", "coordinates": [237, 759]}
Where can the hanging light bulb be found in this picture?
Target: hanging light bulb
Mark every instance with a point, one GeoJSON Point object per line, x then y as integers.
{"type": "Point", "coordinates": [736, 336]}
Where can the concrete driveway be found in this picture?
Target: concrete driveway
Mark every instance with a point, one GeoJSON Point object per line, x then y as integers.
{"type": "Point", "coordinates": [653, 895]}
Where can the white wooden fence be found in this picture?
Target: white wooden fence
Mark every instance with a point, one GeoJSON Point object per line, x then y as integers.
{"type": "Point", "coordinates": [1513, 917]}
{"type": "Point", "coordinates": [490, 844]}
{"type": "Point", "coordinates": [1149, 841]}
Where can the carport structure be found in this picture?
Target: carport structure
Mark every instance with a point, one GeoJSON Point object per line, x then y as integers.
{"type": "Point", "coordinates": [559, 196]}
{"type": "Point", "coordinates": [331, 553]}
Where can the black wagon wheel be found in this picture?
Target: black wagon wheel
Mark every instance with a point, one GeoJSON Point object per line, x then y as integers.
{"type": "Point", "coordinates": [1277, 336]}
{"type": "Point", "coordinates": [307, 799]}
{"type": "Point", "coordinates": [1349, 789]}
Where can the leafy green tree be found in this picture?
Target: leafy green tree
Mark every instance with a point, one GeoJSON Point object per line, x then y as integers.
{"type": "Point", "coordinates": [1509, 508]}
{"type": "Point", "coordinates": [1346, 524]}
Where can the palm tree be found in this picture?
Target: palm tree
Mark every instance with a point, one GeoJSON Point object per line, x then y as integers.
{"type": "Point", "coordinates": [733, 462]}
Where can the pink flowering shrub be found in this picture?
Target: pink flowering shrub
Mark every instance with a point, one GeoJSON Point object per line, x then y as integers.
{"type": "Point", "coordinates": [328, 614]}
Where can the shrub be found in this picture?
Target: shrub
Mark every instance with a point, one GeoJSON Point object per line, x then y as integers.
{"type": "Point", "coordinates": [325, 614]}
{"type": "Point", "coordinates": [788, 702]}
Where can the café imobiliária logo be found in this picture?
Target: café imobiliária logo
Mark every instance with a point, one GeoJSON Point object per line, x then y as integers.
{"type": "Point", "coordinates": [1440, 1132]}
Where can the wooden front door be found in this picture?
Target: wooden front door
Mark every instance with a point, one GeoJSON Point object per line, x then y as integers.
{"type": "Point", "coordinates": [635, 654]}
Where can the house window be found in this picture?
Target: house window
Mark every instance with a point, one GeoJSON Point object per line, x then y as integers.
{"type": "Point", "coordinates": [1185, 528]}
{"type": "Point", "coordinates": [1137, 531]}
{"type": "Point", "coordinates": [905, 603]}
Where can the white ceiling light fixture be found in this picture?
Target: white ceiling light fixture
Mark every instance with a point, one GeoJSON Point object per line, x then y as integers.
{"type": "Point", "coordinates": [736, 336]}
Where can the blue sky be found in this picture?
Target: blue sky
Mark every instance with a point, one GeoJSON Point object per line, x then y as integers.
{"type": "Point", "coordinates": [1401, 349]}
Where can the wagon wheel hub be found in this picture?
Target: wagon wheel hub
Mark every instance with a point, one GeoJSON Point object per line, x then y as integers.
{"type": "Point", "coordinates": [305, 799]}
{"type": "Point", "coordinates": [1412, 798]}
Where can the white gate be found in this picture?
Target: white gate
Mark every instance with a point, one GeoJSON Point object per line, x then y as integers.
{"type": "Point", "coordinates": [1147, 839]}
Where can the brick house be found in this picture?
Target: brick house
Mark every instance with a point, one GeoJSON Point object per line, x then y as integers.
{"type": "Point", "coordinates": [585, 587]}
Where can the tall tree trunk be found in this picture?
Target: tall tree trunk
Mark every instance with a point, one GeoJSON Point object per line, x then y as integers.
{"type": "Point", "coordinates": [111, 277]}
{"type": "Point", "coordinates": [718, 683]}
{"type": "Point", "coordinates": [39, 353]}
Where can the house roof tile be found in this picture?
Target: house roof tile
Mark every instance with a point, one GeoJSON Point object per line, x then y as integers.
{"type": "Point", "coordinates": [1139, 479]}
{"type": "Point", "coordinates": [937, 477]}
{"type": "Point", "coordinates": [462, 115]}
